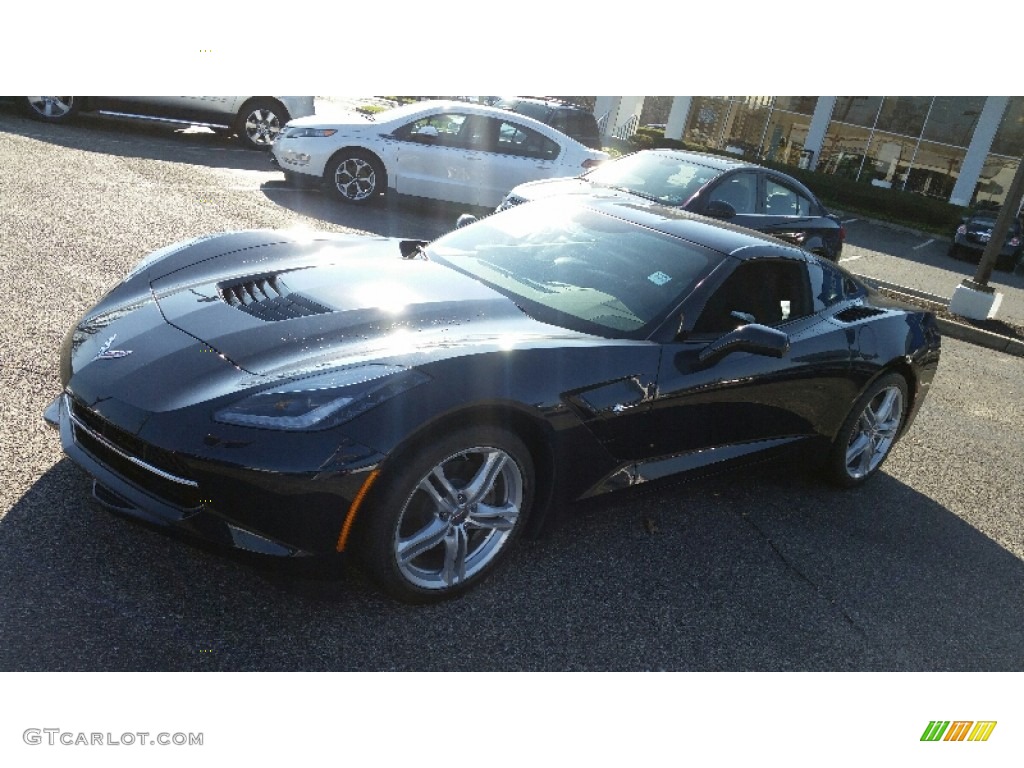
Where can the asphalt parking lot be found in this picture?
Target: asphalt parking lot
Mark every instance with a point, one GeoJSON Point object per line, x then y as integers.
{"type": "Point", "coordinates": [922, 569]}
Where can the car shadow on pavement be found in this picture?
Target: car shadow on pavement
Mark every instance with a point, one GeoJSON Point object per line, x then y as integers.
{"type": "Point", "coordinates": [150, 140]}
{"type": "Point", "coordinates": [391, 215]}
{"type": "Point", "coordinates": [745, 572]}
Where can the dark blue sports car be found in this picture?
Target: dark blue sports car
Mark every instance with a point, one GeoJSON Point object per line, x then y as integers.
{"type": "Point", "coordinates": [422, 405]}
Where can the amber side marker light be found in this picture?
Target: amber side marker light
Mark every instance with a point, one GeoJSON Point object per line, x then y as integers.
{"type": "Point", "coordinates": [350, 518]}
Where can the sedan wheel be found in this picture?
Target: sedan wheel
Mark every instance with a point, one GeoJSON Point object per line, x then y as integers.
{"type": "Point", "coordinates": [51, 109]}
{"type": "Point", "coordinates": [259, 123]}
{"type": "Point", "coordinates": [450, 517]}
{"type": "Point", "coordinates": [870, 431]}
{"type": "Point", "coordinates": [355, 177]}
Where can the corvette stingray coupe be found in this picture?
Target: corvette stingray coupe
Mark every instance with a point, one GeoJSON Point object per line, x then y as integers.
{"type": "Point", "coordinates": [422, 405]}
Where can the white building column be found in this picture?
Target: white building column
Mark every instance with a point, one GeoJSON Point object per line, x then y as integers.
{"type": "Point", "coordinates": [677, 117]}
{"type": "Point", "coordinates": [819, 127]}
{"type": "Point", "coordinates": [619, 110]}
{"type": "Point", "coordinates": [981, 143]}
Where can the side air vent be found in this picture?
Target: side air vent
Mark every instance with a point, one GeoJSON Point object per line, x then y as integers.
{"type": "Point", "coordinates": [853, 314]}
{"type": "Point", "coordinates": [268, 298]}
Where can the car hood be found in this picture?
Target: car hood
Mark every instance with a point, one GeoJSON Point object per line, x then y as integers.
{"type": "Point", "coordinates": [346, 123]}
{"type": "Point", "coordinates": [279, 310]}
{"type": "Point", "coordinates": [357, 302]}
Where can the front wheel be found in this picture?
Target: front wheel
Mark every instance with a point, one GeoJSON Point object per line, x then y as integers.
{"type": "Point", "coordinates": [51, 109]}
{"type": "Point", "coordinates": [869, 432]}
{"type": "Point", "coordinates": [445, 516]}
{"type": "Point", "coordinates": [355, 176]}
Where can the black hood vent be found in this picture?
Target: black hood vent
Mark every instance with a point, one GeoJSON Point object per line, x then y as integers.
{"type": "Point", "coordinates": [268, 298]}
{"type": "Point", "coordinates": [853, 314]}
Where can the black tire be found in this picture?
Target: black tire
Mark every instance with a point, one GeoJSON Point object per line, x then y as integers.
{"type": "Point", "coordinates": [52, 109]}
{"type": "Point", "coordinates": [954, 251]}
{"type": "Point", "coordinates": [869, 432]}
{"type": "Point", "coordinates": [426, 534]}
{"type": "Point", "coordinates": [259, 121]}
{"type": "Point", "coordinates": [355, 176]}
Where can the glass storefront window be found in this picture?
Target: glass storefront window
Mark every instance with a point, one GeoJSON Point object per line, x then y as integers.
{"type": "Point", "coordinates": [785, 136]}
{"type": "Point", "coordinates": [936, 169]}
{"type": "Point", "coordinates": [1010, 136]}
{"type": "Point", "coordinates": [888, 160]}
{"type": "Point", "coordinates": [745, 128]}
{"type": "Point", "coordinates": [904, 114]}
{"type": "Point", "coordinates": [843, 150]}
{"type": "Point", "coordinates": [858, 110]}
{"type": "Point", "coordinates": [803, 105]}
{"type": "Point", "coordinates": [995, 179]}
{"type": "Point", "coordinates": [952, 119]}
{"type": "Point", "coordinates": [708, 115]}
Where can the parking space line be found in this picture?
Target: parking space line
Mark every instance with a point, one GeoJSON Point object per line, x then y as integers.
{"type": "Point", "coordinates": [850, 221]}
{"type": "Point", "coordinates": [850, 258]}
{"type": "Point", "coordinates": [924, 244]}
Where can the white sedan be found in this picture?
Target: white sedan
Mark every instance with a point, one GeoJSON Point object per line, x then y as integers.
{"type": "Point", "coordinates": [445, 150]}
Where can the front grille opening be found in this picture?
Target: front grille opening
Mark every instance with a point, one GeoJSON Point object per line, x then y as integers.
{"type": "Point", "coordinates": [94, 427]}
{"type": "Point", "coordinates": [268, 298]}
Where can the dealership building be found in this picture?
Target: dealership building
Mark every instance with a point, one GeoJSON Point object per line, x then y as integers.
{"type": "Point", "coordinates": [962, 149]}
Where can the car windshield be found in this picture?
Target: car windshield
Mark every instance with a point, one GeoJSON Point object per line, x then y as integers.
{"type": "Point", "coordinates": [578, 268]}
{"type": "Point", "coordinates": [665, 178]}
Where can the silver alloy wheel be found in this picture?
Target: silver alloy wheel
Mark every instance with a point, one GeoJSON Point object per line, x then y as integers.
{"type": "Point", "coordinates": [355, 178]}
{"type": "Point", "coordinates": [875, 432]}
{"type": "Point", "coordinates": [262, 126]}
{"type": "Point", "coordinates": [458, 518]}
{"type": "Point", "coordinates": [51, 107]}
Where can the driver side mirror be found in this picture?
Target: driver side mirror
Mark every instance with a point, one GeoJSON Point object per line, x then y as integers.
{"type": "Point", "coordinates": [754, 338]}
{"type": "Point", "coordinates": [719, 209]}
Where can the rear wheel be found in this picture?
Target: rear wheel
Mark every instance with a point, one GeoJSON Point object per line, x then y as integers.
{"type": "Point", "coordinates": [259, 122]}
{"type": "Point", "coordinates": [441, 520]}
{"type": "Point", "coordinates": [51, 109]}
{"type": "Point", "coordinates": [869, 432]}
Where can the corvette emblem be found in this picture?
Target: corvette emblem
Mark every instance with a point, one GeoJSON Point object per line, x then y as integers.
{"type": "Point", "coordinates": [106, 353]}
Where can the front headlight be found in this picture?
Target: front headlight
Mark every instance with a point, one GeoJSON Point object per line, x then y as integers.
{"type": "Point", "coordinates": [322, 401]}
{"type": "Point", "coordinates": [308, 133]}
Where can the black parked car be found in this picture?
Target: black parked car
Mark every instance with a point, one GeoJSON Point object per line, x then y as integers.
{"type": "Point", "coordinates": [570, 119]}
{"type": "Point", "coordinates": [733, 190]}
{"type": "Point", "coordinates": [421, 405]}
{"type": "Point", "coordinates": [972, 236]}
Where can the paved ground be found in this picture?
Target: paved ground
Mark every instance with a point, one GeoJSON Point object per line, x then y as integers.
{"type": "Point", "coordinates": [921, 262]}
{"type": "Point", "coordinates": [921, 570]}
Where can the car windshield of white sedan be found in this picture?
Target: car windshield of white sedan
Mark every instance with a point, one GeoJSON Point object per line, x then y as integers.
{"type": "Point", "coordinates": [578, 268]}
{"type": "Point", "coordinates": [664, 178]}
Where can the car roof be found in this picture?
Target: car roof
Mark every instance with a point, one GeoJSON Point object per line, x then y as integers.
{"type": "Point", "coordinates": [547, 101]}
{"type": "Point", "coordinates": [721, 236]}
{"type": "Point", "coordinates": [712, 161]}
{"type": "Point", "coordinates": [411, 111]}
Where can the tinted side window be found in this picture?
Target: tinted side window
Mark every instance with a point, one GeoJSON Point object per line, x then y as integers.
{"type": "Point", "coordinates": [521, 141]}
{"type": "Point", "coordinates": [783, 200]}
{"type": "Point", "coordinates": [766, 292]}
{"type": "Point", "coordinates": [738, 190]}
{"type": "Point", "coordinates": [447, 124]}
